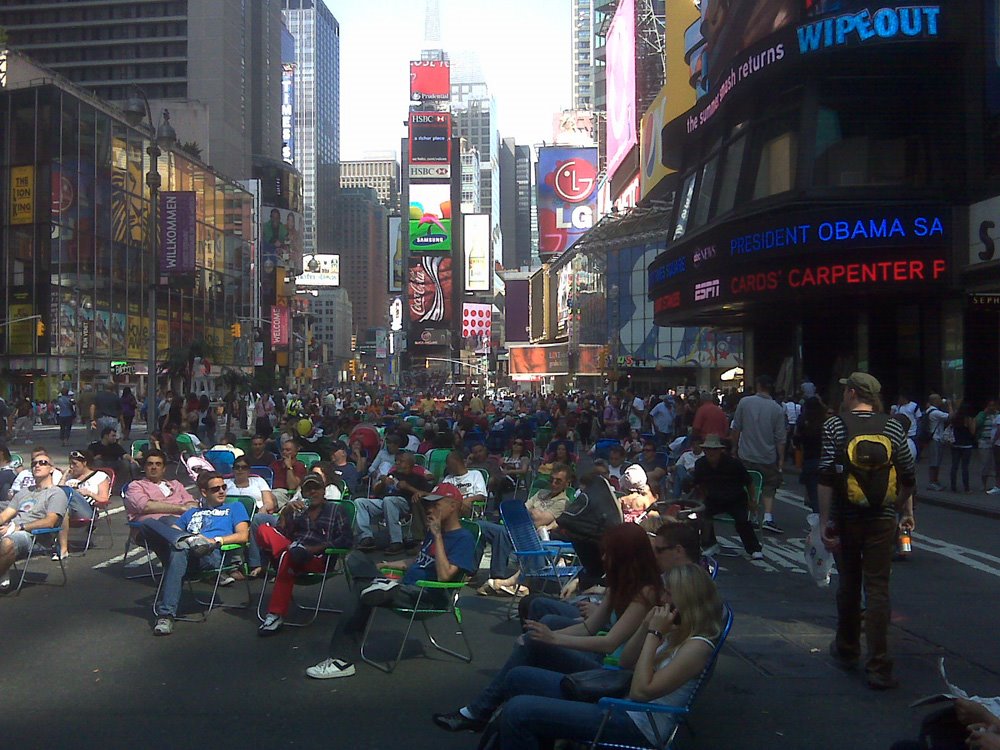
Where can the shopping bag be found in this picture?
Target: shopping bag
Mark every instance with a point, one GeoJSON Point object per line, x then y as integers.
{"type": "Point", "coordinates": [818, 558]}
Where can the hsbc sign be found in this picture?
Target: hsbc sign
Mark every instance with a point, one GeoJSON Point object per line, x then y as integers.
{"type": "Point", "coordinates": [430, 171]}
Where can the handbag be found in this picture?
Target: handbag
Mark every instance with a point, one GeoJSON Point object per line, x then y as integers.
{"type": "Point", "coordinates": [948, 436]}
{"type": "Point", "coordinates": [591, 685]}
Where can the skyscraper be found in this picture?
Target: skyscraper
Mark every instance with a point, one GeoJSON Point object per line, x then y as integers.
{"type": "Point", "coordinates": [582, 51]}
{"type": "Point", "coordinates": [317, 108]}
{"type": "Point", "coordinates": [379, 171]}
{"type": "Point", "coordinates": [215, 64]}
{"type": "Point", "coordinates": [515, 203]}
{"type": "Point", "coordinates": [359, 238]}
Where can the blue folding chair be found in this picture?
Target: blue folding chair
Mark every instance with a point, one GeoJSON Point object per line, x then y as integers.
{"type": "Point", "coordinates": [222, 460]}
{"type": "Point", "coordinates": [36, 535]}
{"type": "Point", "coordinates": [664, 739]}
{"type": "Point", "coordinates": [536, 559]}
{"type": "Point", "coordinates": [133, 528]}
{"type": "Point", "coordinates": [264, 472]}
{"type": "Point", "coordinates": [602, 448]}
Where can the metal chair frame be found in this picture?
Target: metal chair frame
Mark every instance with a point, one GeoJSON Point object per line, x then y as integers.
{"type": "Point", "coordinates": [35, 535]}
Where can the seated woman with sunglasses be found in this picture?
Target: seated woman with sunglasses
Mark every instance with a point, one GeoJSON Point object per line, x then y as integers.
{"type": "Point", "coordinates": [668, 653]}
{"type": "Point", "coordinates": [304, 534]}
{"type": "Point", "coordinates": [562, 645]}
{"type": "Point", "coordinates": [245, 484]}
{"type": "Point", "coordinates": [86, 487]}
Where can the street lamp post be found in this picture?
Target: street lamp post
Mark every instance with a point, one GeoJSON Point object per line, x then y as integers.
{"type": "Point", "coordinates": [136, 110]}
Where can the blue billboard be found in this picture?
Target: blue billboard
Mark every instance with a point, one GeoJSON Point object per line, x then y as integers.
{"type": "Point", "coordinates": [566, 185]}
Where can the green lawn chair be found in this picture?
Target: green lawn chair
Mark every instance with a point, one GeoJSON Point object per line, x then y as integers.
{"type": "Point", "coordinates": [425, 613]}
{"type": "Point", "coordinates": [437, 459]}
{"type": "Point", "coordinates": [308, 458]}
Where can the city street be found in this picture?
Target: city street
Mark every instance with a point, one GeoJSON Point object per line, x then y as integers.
{"type": "Point", "coordinates": [81, 667]}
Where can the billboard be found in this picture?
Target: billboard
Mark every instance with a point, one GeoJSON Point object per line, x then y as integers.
{"type": "Point", "coordinates": [516, 304]}
{"type": "Point", "coordinates": [177, 232]}
{"type": "Point", "coordinates": [280, 239]}
{"type": "Point", "coordinates": [430, 218]}
{"type": "Point", "coordinates": [566, 187]}
{"type": "Point", "coordinates": [621, 84]}
{"type": "Point", "coordinates": [573, 127]}
{"type": "Point", "coordinates": [476, 244]}
{"type": "Point", "coordinates": [477, 326]}
{"type": "Point", "coordinates": [394, 251]}
{"type": "Point", "coordinates": [320, 270]}
{"type": "Point", "coordinates": [430, 138]}
{"type": "Point", "coordinates": [430, 80]}
{"type": "Point", "coordinates": [430, 290]}
{"type": "Point", "coordinates": [22, 195]}
{"type": "Point", "coordinates": [288, 112]}
{"type": "Point", "coordinates": [433, 337]}
{"type": "Point", "coordinates": [281, 325]}
{"type": "Point", "coordinates": [548, 359]}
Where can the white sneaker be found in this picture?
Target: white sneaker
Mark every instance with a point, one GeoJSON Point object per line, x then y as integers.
{"type": "Point", "coordinates": [758, 555]}
{"type": "Point", "coordinates": [271, 625]}
{"type": "Point", "coordinates": [993, 491]}
{"type": "Point", "coordinates": [377, 591]}
{"type": "Point", "coordinates": [330, 669]}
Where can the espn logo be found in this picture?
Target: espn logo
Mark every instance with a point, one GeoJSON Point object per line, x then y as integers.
{"type": "Point", "coordinates": [706, 290]}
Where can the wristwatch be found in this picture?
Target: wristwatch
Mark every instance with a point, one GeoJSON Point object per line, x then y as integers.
{"type": "Point", "coordinates": [657, 633]}
{"type": "Point", "coordinates": [218, 541]}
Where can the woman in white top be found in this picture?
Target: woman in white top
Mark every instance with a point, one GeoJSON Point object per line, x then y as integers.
{"type": "Point", "coordinates": [246, 485]}
{"type": "Point", "coordinates": [88, 488]}
{"type": "Point", "coordinates": [668, 654]}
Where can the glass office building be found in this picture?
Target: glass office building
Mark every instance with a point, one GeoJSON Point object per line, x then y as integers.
{"type": "Point", "coordinates": [76, 250]}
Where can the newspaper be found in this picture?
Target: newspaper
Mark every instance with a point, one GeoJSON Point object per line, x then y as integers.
{"type": "Point", "coordinates": [953, 691]}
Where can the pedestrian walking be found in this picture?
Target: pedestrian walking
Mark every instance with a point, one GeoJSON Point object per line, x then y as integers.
{"type": "Point", "coordinates": [65, 415]}
{"type": "Point", "coordinates": [984, 446]}
{"type": "Point", "coordinates": [759, 437]}
{"type": "Point", "coordinates": [865, 456]}
{"type": "Point", "coordinates": [963, 426]}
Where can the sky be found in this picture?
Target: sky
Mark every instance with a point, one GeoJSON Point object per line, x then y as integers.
{"type": "Point", "coordinates": [523, 48]}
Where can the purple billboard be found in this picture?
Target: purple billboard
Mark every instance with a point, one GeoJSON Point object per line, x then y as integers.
{"type": "Point", "coordinates": [516, 309]}
{"type": "Point", "coordinates": [177, 233]}
{"type": "Point", "coordinates": [567, 197]}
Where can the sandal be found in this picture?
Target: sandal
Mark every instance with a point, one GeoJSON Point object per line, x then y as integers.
{"type": "Point", "coordinates": [489, 588]}
{"type": "Point", "coordinates": [255, 573]}
{"type": "Point", "coordinates": [515, 590]}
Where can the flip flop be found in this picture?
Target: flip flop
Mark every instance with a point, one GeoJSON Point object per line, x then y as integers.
{"type": "Point", "coordinates": [515, 591]}
{"type": "Point", "coordinates": [489, 588]}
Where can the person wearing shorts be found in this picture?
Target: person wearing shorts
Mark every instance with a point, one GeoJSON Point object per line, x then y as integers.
{"type": "Point", "coordinates": [41, 507]}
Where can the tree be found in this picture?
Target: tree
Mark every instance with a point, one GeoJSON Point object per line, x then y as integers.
{"type": "Point", "coordinates": [178, 366]}
{"type": "Point", "coordinates": [192, 148]}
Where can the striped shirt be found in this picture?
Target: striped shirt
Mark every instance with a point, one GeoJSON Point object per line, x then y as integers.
{"type": "Point", "coordinates": [833, 457]}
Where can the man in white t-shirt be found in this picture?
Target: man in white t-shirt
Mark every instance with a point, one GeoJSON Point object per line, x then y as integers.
{"type": "Point", "coordinates": [937, 418]}
{"type": "Point", "coordinates": [636, 410]}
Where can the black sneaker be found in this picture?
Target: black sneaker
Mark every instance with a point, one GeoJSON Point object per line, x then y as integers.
{"type": "Point", "coordinates": [367, 544]}
{"type": "Point", "coordinates": [456, 722]}
{"type": "Point", "coordinates": [772, 527]}
{"type": "Point", "coordinates": [843, 662]}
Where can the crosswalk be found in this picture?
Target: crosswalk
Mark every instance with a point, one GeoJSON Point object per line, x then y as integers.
{"type": "Point", "coordinates": [782, 554]}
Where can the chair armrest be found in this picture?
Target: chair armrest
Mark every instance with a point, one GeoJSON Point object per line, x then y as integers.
{"type": "Point", "coordinates": [621, 704]}
{"type": "Point", "coordinates": [440, 584]}
{"type": "Point", "coordinates": [557, 544]}
{"type": "Point", "coordinates": [231, 547]}
{"type": "Point", "coordinates": [534, 553]}
{"type": "Point", "coordinates": [336, 551]}
{"type": "Point", "coordinates": [43, 532]}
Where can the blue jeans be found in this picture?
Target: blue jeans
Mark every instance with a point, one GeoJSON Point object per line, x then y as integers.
{"type": "Point", "coordinates": [536, 712]}
{"type": "Point", "coordinates": [78, 504]}
{"type": "Point", "coordinates": [178, 563]}
{"type": "Point", "coordinates": [496, 536]}
{"type": "Point", "coordinates": [680, 476]}
{"type": "Point", "coordinates": [390, 507]}
{"type": "Point", "coordinates": [533, 654]}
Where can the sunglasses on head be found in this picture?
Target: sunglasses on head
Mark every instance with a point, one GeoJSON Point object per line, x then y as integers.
{"type": "Point", "coordinates": [77, 456]}
{"type": "Point", "coordinates": [41, 462]}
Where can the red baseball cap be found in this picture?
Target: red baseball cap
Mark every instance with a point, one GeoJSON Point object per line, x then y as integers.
{"type": "Point", "coordinates": [445, 489]}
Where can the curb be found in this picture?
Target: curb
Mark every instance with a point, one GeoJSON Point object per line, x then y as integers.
{"type": "Point", "coordinates": [961, 507]}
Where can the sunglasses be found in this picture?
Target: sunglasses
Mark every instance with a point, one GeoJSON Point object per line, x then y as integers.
{"type": "Point", "coordinates": [41, 463]}
{"type": "Point", "coordinates": [77, 456]}
{"type": "Point", "coordinates": [216, 488]}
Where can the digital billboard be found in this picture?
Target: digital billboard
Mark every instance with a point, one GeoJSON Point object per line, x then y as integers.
{"type": "Point", "coordinates": [477, 326]}
{"type": "Point", "coordinates": [281, 239]}
{"type": "Point", "coordinates": [516, 309]}
{"type": "Point", "coordinates": [430, 218]}
{"type": "Point", "coordinates": [620, 48]}
{"type": "Point", "coordinates": [394, 252]}
{"type": "Point", "coordinates": [430, 138]}
{"type": "Point", "coordinates": [430, 80]}
{"type": "Point", "coordinates": [430, 290]}
{"type": "Point", "coordinates": [320, 270]}
{"type": "Point", "coordinates": [288, 112]}
{"type": "Point", "coordinates": [476, 246]}
{"type": "Point", "coordinates": [545, 359]}
{"type": "Point", "coordinates": [566, 187]}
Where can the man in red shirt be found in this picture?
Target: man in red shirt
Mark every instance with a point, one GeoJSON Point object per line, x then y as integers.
{"type": "Point", "coordinates": [288, 473]}
{"type": "Point", "coordinates": [710, 419]}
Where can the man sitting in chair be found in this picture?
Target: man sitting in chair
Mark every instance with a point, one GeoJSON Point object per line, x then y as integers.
{"type": "Point", "coordinates": [393, 496]}
{"type": "Point", "coordinates": [155, 497]}
{"type": "Point", "coordinates": [194, 541]}
{"type": "Point", "coordinates": [40, 507]}
{"type": "Point", "coordinates": [446, 555]}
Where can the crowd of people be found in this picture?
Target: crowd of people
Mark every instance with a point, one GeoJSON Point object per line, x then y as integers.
{"type": "Point", "coordinates": [397, 474]}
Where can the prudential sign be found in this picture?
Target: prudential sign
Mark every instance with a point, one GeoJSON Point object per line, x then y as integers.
{"type": "Point", "coordinates": [177, 232]}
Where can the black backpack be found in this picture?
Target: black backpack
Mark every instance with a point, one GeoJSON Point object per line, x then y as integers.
{"type": "Point", "coordinates": [869, 478]}
{"type": "Point", "coordinates": [594, 510]}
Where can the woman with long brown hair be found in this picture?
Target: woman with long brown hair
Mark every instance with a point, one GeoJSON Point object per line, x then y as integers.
{"type": "Point", "coordinates": [562, 645]}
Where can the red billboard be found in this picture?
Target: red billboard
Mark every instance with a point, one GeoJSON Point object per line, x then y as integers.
{"type": "Point", "coordinates": [430, 138]}
{"type": "Point", "coordinates": [430, 80]}
{"type": "Point", "coordinates": [430, 290]}
{"type": "Point", "coordinates": [281, 325]}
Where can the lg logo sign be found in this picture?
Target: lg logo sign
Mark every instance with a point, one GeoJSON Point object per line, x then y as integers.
{"type": "Point", "coordinates": [575, 180]}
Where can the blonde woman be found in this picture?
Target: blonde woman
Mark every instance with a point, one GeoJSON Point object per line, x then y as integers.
{"type": "Point", "coordinates": [668, 654]}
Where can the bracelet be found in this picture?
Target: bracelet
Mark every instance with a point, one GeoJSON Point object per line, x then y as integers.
{"type": "Point", "coordinates": [657, 633]}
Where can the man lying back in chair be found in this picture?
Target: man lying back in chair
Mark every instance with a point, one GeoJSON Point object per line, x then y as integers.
{"type": "Point", "coordinates": [194, 541]}
{"type": "Point", "coordinates": [446, 555]}
{"type": "Point", "coordinates": [40, 507]}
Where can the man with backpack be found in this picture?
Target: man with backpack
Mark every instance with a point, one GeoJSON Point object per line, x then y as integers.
{"type": "Point", "coordinates": [938, 415]}
{"type": "Point", "coordinates": [866, 476]}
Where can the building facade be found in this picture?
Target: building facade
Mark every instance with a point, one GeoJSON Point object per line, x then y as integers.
{"type": "Point", "coordinates": [471, 176]}
{"type": "Point", "coordinates": [359, 238]}
{"type": "Point", "coordinates": [582, 53]}
{"type": "Point", "coordinates": [77, 249]}
{"type": "Point", "coordinates": [381, 173]}
{"type": "Point", "coordinates": [332, 328]}
{"type": "Point", "coordinates": [317, 108]}
{"type": "Point", "coordinates": [516, 195]}
{"type": "Point", "coordinates": [220, 78]}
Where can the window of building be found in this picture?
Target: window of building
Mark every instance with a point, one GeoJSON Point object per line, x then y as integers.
{"type": "Point", "coordinates": [776, 165]}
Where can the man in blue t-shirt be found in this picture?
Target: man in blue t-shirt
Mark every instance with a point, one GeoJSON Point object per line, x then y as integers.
{"type": "Point", "coordinates": [195, 540]}
{"type": "Point", "coordinates": [447, 554]}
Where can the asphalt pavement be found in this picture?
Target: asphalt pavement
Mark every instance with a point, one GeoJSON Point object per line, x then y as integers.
{"type": "Point", "coordinates": [80, 667]}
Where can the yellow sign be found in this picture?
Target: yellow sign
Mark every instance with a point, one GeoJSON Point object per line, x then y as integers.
{"type": "Point", "coordinates": [675, 98]}
{"type": "Point", "coordinates": [162, 335]}
{"type": "Point", "coordinates": [21, 336]}
{"type": "Point", "coordinates": [22, 195]}
{"type": "Point", "coordinates": [137, 338]}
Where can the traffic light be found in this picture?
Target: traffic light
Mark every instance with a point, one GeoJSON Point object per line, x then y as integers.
{"type": "Point", "coordinates": [236, 330]}
{"type": "Point", "coordinates": [39, 328]}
